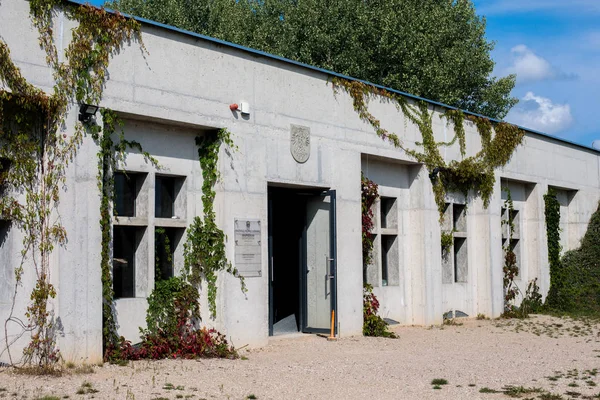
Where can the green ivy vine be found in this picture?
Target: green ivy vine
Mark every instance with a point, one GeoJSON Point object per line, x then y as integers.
{"type": "Point", "coordinates": [557, 278]}
{"type": "Point", "coordinates": [39, 149]}
{"type": "Point", "coordinates": [204, 249]}
{"type": "Point", "coordinates": [110, 154]}
{"type": "Point", "coordinates": [473, 173]}
{"type": "Point", "coordinates": [510, 268]}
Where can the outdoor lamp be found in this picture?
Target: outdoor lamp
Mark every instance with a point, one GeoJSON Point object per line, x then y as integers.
{"type": "Point", "coordinates": [87, 112]}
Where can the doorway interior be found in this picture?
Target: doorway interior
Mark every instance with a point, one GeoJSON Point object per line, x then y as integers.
{"type": "Point", "coordinates": [302, 262]}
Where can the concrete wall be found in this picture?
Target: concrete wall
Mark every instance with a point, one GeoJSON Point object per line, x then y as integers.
{"type": "Point", "coordinates": [184, 85]}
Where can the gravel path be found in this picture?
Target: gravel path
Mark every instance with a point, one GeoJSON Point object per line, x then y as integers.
{"type": "Point", "coordinates": [542, 354]}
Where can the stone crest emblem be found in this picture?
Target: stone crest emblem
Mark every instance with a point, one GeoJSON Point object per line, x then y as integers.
{"type": "Point", "coordinates": [300, 143]}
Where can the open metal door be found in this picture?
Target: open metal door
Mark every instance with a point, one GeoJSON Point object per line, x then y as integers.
{"type": "Point", "coordinates": [320, 297]}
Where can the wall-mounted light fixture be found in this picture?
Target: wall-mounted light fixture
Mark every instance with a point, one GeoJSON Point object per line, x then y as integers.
{"type": "Point", "coordinates": [434, 174]}
{"type": "Point", "coordinates": [87, 112]}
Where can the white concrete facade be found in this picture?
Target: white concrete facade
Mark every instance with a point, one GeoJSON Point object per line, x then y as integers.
{"type": "Point", "coordinates": [184, 86]}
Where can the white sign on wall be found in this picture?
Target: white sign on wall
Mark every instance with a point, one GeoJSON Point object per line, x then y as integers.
{"type": "Point", "coordinates": [248, 247]}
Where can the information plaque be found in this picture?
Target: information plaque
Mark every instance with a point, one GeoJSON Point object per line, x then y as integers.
{"type": "Point", "coordinates": [248, 248]}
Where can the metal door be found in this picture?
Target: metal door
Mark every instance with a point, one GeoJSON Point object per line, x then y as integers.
{"type": "Point", "coordinates": [320, 263]}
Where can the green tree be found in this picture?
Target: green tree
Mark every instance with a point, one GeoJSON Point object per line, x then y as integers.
{"type": "Point", "coordinates": [431, 48]}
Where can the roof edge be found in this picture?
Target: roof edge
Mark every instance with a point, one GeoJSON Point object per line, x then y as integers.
{"type": "Point", "coordinates": [328, 72]}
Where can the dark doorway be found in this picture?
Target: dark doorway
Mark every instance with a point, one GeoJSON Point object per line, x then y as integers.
{"type": "Point", "coordinates": [286, 226]}
{"type": "Point", "coordinates": [302, 278]}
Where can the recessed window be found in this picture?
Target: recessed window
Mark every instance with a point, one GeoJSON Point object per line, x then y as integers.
{"type": "Point", "coordinates": [166, 241]}
{"type": "Point", "coordinates": [455, 265]}
{"type": "Point", "coordinates": [166, 192]}
{"type": "Point", "coordinates": [460, 259]}
{"type": "Point", "coordinates": [125, 243]}
{"type": "Point", "coordinates": [389, 260]}
{"type": "Point", "coordinates": [389, 213]}
{"type": "Point", "coordinates": [126, 186]}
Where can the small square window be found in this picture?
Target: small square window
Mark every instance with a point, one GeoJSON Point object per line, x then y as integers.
{"type": "Point", "coordinates": [166, 240]}
{"type": "Point", "coordinates": [127, 186]}
{"type": "Point", "coordinates": [126, 240]}
{"type": "Point", "coordinates": [166, 192]}
{"type": "Point", "coordinates": [389, 213]}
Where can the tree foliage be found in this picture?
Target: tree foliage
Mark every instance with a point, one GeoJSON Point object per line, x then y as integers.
{"type": "Point", "coordinates": [431, 48]}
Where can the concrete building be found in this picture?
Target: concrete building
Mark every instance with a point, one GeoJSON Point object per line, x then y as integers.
{"type": "Point", "coordinates": [294, 185]}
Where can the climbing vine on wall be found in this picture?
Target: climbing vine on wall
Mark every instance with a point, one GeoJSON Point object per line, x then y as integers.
{"type": "Point", "coordinates": [110, 154]}
{"type": "Point", "coordinates": [510, 268]}
{"type": "Point", "coordinates": [368, 198]}
{"type": "Point", "coordinates": [33, 138]}
{"type": "Point", "coordinates": [474, 173]}
{"type": "Point", "coordinates": [204, 250]}
{"type": "Point", "coordinates": [552, 216]}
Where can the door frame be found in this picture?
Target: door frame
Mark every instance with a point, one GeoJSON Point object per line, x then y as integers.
{"type": "Point", "coordinates": [307, 191]}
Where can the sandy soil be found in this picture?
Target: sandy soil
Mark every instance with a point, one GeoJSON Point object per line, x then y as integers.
{"type": "Point", "coordinates": [542, 354]}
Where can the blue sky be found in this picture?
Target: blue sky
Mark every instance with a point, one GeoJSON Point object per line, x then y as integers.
{"type": "Point", "coordinates": [554, 48]}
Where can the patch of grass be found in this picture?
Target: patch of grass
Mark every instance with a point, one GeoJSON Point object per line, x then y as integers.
{"type": "Point", "coordinates": [573, 384]}
{"type": "Point", "coordinates": [70, 364]}
{"type": "Point", "coordinates": [160, 398]}
{"type": "Point", "coordinates": [244, 358]}
{"type": "Point", "coordinates": [573, 394]}
{"type": "Point", "coordinates": [48, 398]}
{"type": "Point", "coordinates": [439, 381]}
{"type": "Point", "coordinates": [179, 396]}
{"type": "Point", "coordinates": [488, 390]}
{"type": "Point", "coordinates": [86, 388]}
{"type": "Point", "coordinates": [518, 391]}
{"type": "Point", "coordinates": [169, 386]}
{"type": "Point", "coordinates": [481, 316]}
{"type": "Point", "coordinates": [437, 387]}
{"type": "Point", "coordinates": [251, 396]}
{"type": "Point", "coordinates": [590, 383]}
{"type": "Point", "coordinates": [550, 396]}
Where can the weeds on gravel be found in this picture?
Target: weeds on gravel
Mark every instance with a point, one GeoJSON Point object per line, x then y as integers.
{"type": "Point", "coordinates": [437, 387]}
{"type": "Point", "coordinates": [550, 396]}
{"type": "Point", "coordinates": [518, 391]}
{"type": "Point", "coordinates": [251, 396]}
{"type": "Point", "coordinates": [86, 388]}
{"type": "Point", "coordinates": [48, 398]}
{"type": "Point", "coordinates": [487, 390]}
{"type": "Point", "coordinates": [439, 381]}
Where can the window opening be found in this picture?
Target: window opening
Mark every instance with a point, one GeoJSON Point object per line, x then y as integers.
{"type": "Point", "coordinates": [125, 243]}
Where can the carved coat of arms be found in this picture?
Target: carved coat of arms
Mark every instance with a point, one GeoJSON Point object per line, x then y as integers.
{"type": "Point", "coordinates": [300, 143]}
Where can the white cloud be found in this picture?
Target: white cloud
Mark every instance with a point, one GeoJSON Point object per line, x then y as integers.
{"type": "Point", "coordinates": [540, 114]}
{"type": "Point", "coordinates": [530, 67]}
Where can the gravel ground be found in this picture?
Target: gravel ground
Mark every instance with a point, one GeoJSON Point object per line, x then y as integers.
{"type": "Point", "coordinates": [543, 355]}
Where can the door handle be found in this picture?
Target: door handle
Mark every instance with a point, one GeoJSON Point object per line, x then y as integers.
{"type": "Point", "coordinates": [328, 261]}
